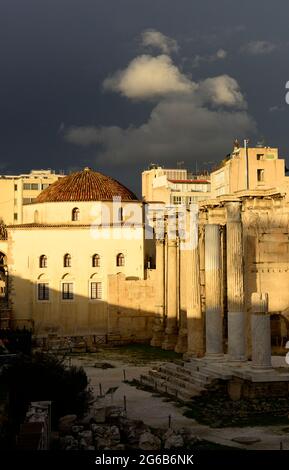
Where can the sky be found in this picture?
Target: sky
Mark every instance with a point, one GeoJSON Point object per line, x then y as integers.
{"type": "Point", "coordinates": [119, 84]}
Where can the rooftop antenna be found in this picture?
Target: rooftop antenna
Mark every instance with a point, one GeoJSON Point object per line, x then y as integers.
{"type": "Point", "coordinates": [246, 144]}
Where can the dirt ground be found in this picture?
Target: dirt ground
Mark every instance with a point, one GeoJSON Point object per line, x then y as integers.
{"type": "Point", "coordinates": [130, 363]}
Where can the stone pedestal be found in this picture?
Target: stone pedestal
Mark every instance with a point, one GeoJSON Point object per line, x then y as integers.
{"type": "Point", "coordinates": [171, 335]}
{"type": "Point", "coordinates": [158, 331]}
{"type": "Point", "coordinates": [171, 329]}
{"type": "Point", "coordinates": [235, 284]}
{"type": "Point", "coordinates": [193, 294]}
{"type": "Point", "coordinates": [159, 328]}
{"type": "Point", "coordinates": [213, 279]}
{"type": "Point", "coordinates": [182, 341]}
{"type": "Point", "coordinates": [261, 332]}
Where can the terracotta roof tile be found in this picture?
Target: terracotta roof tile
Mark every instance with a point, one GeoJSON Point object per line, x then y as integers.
{"type": "Point", "coordinates": [86, 185]}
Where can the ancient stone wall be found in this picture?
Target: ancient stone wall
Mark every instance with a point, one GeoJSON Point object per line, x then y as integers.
{"type": "Point", "coordinates": [131, 307]}
{"type": "Point", "coordinates": [266, 250]}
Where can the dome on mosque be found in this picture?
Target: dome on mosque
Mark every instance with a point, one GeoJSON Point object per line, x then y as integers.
{"type": "Point", "coordinates": [86, 185]}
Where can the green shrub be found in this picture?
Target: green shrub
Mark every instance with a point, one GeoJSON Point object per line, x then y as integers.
{"type": "Point", "coordinates": [45, 377]}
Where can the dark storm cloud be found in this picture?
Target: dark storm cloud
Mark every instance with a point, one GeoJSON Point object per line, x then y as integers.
{"type": "Point", "coordinates": [56, 54]}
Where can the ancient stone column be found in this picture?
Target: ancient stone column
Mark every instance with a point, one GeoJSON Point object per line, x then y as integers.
{"type": "Point", "coordinates": [193, 294]}
{"type": "Point", "coordinates": [213, 273]}
{"type": "Point", "coordinates": [261, 331]}
{"type": "Point", "coordinates": [172, 295]}
{"type": "Point", "coordinates": [158, 328]}
{"type": "Point", "coordinates": [235, 284]}
{"type": "Point", "coordinates": [182, 342]}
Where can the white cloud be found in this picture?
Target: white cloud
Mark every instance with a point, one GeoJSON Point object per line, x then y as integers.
{"type": "Point", "coordinates": [258, 48]}
{"type": "Point", "coordinates": [222, 91]}
{"type": "Point", "coordinates": [191, 121]}
{"type": "Point", "coordinates": [178, 128]}
{"type": "Point", "coordinates": [221, 54]}
{"type": "Point", "coordinates": [148, 77]}
{"type": "Point", "coordinates": [155, 39]}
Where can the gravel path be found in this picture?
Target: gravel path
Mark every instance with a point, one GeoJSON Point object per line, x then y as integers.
{"type": "Point", "coordinates": [154, 411]}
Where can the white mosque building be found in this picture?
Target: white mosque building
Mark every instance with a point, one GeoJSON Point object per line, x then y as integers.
{"type": "Point", "coordinates": [81, 233]}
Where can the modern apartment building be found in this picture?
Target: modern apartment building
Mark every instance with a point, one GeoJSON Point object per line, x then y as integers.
{"type": "Point", "coordinates": [19, 190]}
{"type": "Point", "coordinates": [174, 186]}
{"type": "Point", "coordinates": [248, 169]}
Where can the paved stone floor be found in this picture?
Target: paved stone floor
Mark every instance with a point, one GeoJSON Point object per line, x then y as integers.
{"type": "Point", "coordinates": [154, 411]}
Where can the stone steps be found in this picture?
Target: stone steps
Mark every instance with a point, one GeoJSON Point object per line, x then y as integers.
{"type": "Point", "coordinates": [169, 389]}
{"type": "Point", "coordinates": [210, 369]}
{"type": "Point", "coordinates": [176, 379]}
{"type": "Point", "coordinates": [185, 380]}
{"type": "Point", "coordinates": [200, 375]}
{"type": "Point", "coordinates": [187, 377]}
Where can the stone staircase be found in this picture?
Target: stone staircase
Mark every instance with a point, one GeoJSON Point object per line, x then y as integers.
{"type": "Point", "coordinates": [185, 380]}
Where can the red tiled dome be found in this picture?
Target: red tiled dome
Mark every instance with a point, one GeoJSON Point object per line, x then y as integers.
{"type": "Point", "coordinates": [86, 185]}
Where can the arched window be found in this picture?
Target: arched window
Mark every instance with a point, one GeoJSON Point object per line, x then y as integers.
{"type": "Point", "coordinates": [120, 214]}
{"type": "Point", "coordinates": [43, 261]}
{"type": "Point", "coordinates": [2, 259]}
{"type": "Point", "coordinates": [67, 260]}
{"type": "Point", "coordinates": [120, 259]}
{"type": "Point", "coordinates": [67, 288]}
{"type": "Point", "coordinates": [96, 261]}
{"type": "Point", "coordinates": [75, 214]}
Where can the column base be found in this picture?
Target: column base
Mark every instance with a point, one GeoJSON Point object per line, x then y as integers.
{"type": "Point", "coordinates": [169, 343]}
{"type": "Point", "coordinates": [171, 335]}
{"type": "Point", "coordinates": [158, 332]}
{"type": "Point", "coordinates": [215, 357]}
{"type": "Point", "coordinates": [188, 355]}
{"type": "Point", "coordinates": [237, 360]}
{"type": "Point", "coordinates": [182, 341]}
{"type": "Point", "coordinates": [171, 338]}
{"type": "Point", "coordinates": [157, 339]}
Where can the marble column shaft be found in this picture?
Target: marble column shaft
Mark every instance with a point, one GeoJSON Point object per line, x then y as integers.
{"type": "Point", "coordinates": [261, 331]}
{"type": "Point", "coordinates": [158, 328]}
{"type": "Point", "coordinates": [213, 285]}
{"type": "Point", "coordinates": [235, 284]}
{"type": "Point", "coordinates": [182, 342]}
{"type": "Point", "coordinates": [172, 295]}
{"type": "Point", "coordinates": [193, 294]}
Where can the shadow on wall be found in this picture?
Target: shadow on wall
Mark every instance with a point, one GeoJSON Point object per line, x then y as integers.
{"type": "Point", "coordinates": [88, 323]}
{"type": "Point", "coordinates": [267, 265]}
{"type": "Point", "coordinates": [279, 330]}
{"type": "Point", "coordinates": [62, 312]}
